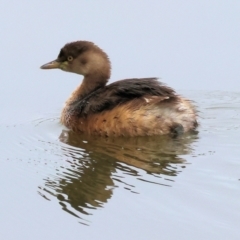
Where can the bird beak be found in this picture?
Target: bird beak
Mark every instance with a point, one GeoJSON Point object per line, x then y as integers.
{"type": "Point", "coordinates": [51, 65]}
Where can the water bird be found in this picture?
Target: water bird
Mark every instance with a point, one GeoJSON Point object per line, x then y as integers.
{"type": "Point", "coordinates": [129, 107]}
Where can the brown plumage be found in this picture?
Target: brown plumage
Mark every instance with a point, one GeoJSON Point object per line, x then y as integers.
{"type": "Point", "coordinates": [130, 107]}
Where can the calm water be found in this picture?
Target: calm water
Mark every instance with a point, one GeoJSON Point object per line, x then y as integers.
{"type": "Point", "coordinates": [58, 185]}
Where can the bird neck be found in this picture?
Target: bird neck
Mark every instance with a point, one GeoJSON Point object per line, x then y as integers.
{"type": "Point", "coordinates": [89, 84]}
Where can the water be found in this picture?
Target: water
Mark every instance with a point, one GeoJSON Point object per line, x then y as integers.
{"type": "Point", "coordinates": [59, 185]}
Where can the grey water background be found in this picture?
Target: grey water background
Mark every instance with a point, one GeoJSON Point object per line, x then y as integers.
{"type": "Point", "coordinates": [56, 185]}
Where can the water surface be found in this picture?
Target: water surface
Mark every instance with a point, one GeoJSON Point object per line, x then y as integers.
{"type": "Point", "coordinates": [56, 184]}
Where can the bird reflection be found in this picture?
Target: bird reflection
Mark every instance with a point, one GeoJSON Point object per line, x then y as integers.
{"type": "Point", "coordinates": [98, 165]}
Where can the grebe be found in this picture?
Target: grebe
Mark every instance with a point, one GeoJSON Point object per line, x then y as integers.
{"type": "Point", "coordinates": [129, 107]}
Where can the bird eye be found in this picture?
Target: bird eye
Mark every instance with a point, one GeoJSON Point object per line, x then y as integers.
{"type": "Point", "coordinates": [70, 58]}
